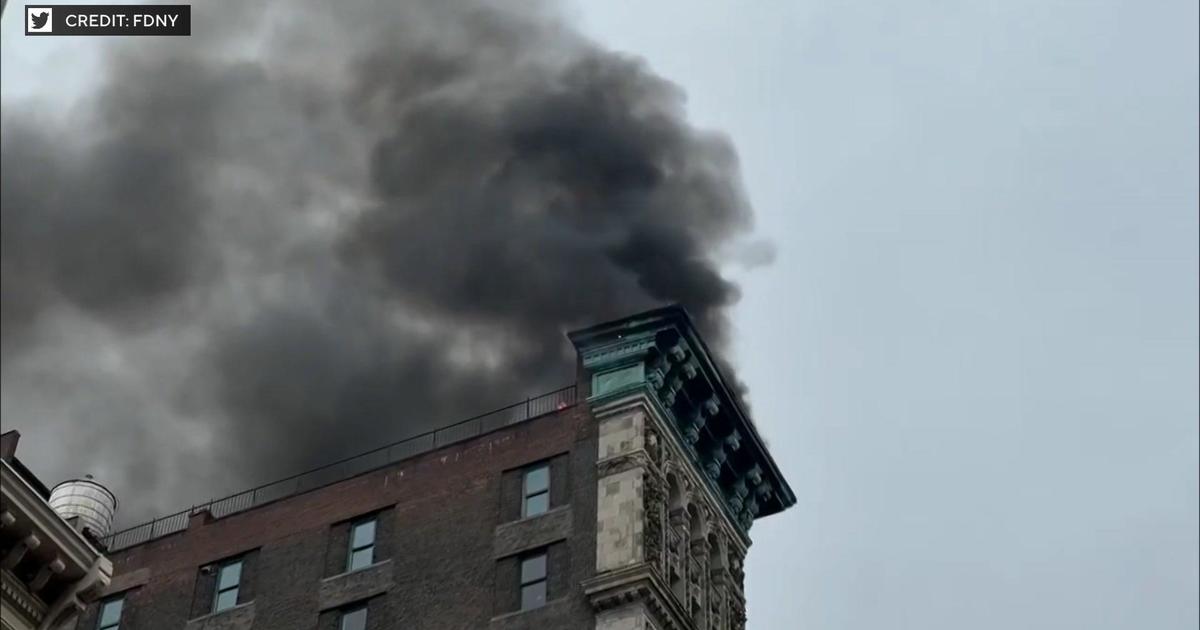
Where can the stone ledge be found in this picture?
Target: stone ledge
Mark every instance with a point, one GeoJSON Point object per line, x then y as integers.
{"type": "Point", "coordinates": [632, 616]}
{"type": "Point", "coordinates": [240, 617]}
{"type": "Point", "coordinates": [639, 584]}
{"type": "Point", "coordinates": [615, 464]}
{"type": "Point", "coordinates": [534, 618]}
{"type": "Point", "coordinates": [125, 581]}
{"type": "Point", "coordinates": [533, 532]}
{"type": "Point", "coordinates": [352, 586]}
{"type": "Point", "coordinates": [19, 598]}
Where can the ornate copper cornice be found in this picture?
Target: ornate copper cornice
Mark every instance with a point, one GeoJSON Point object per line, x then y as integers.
{"type": "Point", "coordinates": [660, 353]}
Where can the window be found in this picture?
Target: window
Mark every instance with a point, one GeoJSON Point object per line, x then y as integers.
{"type": "Point", "coordinates": [110, 614]}
{"type": "Point", "coordinates": [533, 580]}
{"type": "Point", "coordinates": [229, 579]}
{"type": "Point", "coordinates": [362, 545]}
{"type": "Point", "coordinates": [536, 491]}
{"type": "Point", "coordinates": [354, 618]}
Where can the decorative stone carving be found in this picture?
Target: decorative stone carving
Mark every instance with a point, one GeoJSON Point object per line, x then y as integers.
{"type": "Point", "coordinates": [661, 354]}
{"type": "Point", "coordinates": [734, 440]}
{"type": "Point", "coordinates": [686, 534]}
{"type": "Point", "coordinates": [677, 554]}
{"type": "Point", "coordinates": [686, 544]}
{"type": "Point", "coordinates": [710, 518]}
{"type": "Point", "coordinates": [692, 423]}
{"type": "Point", "coordinates": [736, 569]}
{"type": "Point", "coordinates": [685, 541]}
{"type": "Point", "coordinates": [737, 613]}
{"type": "Point", "coordinates": [701, 583]}
{"type": "Point", "coordinates": [736, 601]}
{"type": "Point", "coordinates": [671, 388]}
{"type": "Point", "coordinates": [754, 475]}
{"type": "Point", "coordinates": [620, 463]}
{"type": "Point", "coordinates": [677, 495]}
{"type": "Point", "coordinates": [655, 495]}
{"type": "Point", "coordinates": [764, 491]}
{"type": "Point", "coordinates": [716, 459]}
{"type": "Point", "coordinates": [712, 470]}
{"type": "Point", "coordinates": [716, 609]}
{"type": "Point", "coordinates": [737, 496]}
{"type": "Point", "coordinates": [749, 511]}
{"type": "Point", "coordinates": [653, 448]}
{"type": "Point", "coordinates": [657, 373]}
{"type": "Point", "coordinates": [617, 352]}
{"type": "Point", "coordinates": [690, 370]}
{"type": "Point", "coordinates": [688, 491]}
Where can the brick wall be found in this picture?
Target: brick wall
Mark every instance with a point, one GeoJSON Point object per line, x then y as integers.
{"type": "Point", "coordinates": [438, 560]}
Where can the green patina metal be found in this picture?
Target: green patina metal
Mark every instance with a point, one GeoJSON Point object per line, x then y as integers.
{"type": "Point", "coordinates": [660, 353]}
{"type": "Point", "coordinates": [619, 380]}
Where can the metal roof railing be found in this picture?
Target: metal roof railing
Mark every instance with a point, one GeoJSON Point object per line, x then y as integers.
{"type": "Point", "coordinates": [347, 468]}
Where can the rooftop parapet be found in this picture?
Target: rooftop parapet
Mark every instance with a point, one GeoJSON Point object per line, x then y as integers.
{"type": "Point", "coordinates": [660, 353]}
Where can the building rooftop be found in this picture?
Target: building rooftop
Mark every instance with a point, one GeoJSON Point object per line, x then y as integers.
{"type": "Point", "coordinates": [658, 352]}
{"type": "Point", "coordinates": [341, 470]}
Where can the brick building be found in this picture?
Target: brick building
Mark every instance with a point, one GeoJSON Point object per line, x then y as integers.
{"type": "Point", "coordinates": [622, 502]}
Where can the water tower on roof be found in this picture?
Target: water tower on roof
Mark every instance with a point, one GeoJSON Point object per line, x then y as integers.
{"type": "Point", "coordinates": [86, 500]}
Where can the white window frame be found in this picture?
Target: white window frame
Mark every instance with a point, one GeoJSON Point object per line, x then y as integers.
{"type": "Point", "coordinates": [116, 625]}
{"type": "Point", "coordinates": [542, 581]}
{"type": "Point", "coordinates": [236, 588]}
{"type": "Point", "coordinates": [527, 495]}
{"type": "Point", "coordinates": [352, 548]}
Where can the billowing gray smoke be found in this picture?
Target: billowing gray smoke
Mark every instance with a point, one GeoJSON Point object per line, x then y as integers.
{"type": "Point", "coordinates": [316, 226]}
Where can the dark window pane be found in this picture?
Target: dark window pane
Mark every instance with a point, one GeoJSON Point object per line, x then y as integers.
{"type": "Point", "coordinates": [364, 534]}
{"type": "Point", "coordinates": [537, 504]}
{"type": "Point", "coordinates": [226, 600]}
{"type": "Point", "coordinates": [537, 480]}
{"type": "Point", "coordinates": [110, 614]}
{"type": "Point", "coordinates": [231, 575]}
{"type": "Point", "coordinates": [362, 558]}
{"type": "Point", "coordinates": [533, 595]}
{"type": "Point", "coordinates": [354, 619]}
{"type": "Point", "coordinates": [533, 568]}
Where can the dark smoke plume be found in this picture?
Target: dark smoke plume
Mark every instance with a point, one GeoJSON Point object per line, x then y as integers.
{"type": "Point", "coordinates": [314, 227]}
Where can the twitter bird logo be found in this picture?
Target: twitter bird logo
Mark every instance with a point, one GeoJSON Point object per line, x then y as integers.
{"type": "Point", "coordinates": [40, 19]}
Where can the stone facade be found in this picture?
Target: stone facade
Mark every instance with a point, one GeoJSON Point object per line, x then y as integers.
{"type": "Point", "coordinates": [681, 476]}
{"type": "Point", "coordinates": [655, 521]}
{"type": "Point", "coordinates": [49, 570]}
